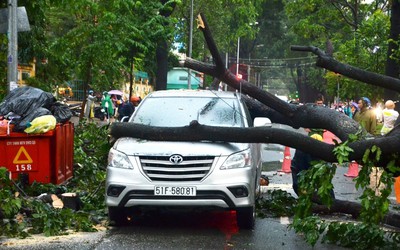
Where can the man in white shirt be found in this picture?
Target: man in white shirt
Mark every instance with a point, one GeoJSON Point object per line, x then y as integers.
{"type": "Point", "coordinates": [389, 117]}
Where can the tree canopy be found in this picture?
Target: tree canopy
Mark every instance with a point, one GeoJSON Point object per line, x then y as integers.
{"type": "Point", "coordinates": [97, 41]}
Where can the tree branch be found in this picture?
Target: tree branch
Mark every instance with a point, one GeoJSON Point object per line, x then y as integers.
{"type": "Point", "coordinates": [266, 104]}
{"type": "Point", "coordinates": [309, 116]}
{"type": "Point", "coordinates": [198, 132]}
{"type": "Point", "coordinates": [327, 62]}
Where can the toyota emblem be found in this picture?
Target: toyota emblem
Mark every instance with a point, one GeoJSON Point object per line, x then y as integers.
{"type": "Point", "coordinates": [176, 159]}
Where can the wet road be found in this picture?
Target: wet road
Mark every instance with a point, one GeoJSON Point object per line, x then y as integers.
{"type": "Point", "coordinates": [207, 230]}
{"type": "Point", "coordinates": [202, 230]}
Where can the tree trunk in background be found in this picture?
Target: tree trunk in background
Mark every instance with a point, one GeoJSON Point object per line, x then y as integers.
{"type": "Point", "coordinates": [162, 51]}
{"type": "Point", "coordinates": [307, 94]}
{"type": "Point", "coordinates": [392, 67]}
{"type": "Point", "coordinates": [162, 65]}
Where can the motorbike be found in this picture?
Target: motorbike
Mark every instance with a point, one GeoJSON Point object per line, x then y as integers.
{"type": "Point", "coordinates": [100, 113]}
{"type": "Point", "coordinates": [75, 109]}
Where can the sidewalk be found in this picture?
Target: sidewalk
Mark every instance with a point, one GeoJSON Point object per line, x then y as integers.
{"type": "Point", "coordinates": [344, 187]}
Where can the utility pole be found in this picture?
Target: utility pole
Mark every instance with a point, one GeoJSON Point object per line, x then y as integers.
{"type": "Point", "coordinates": [190, 43]}
{"type": "Point", "coordinates": [237, 56]}
{"type": "Point", "coordinates": [12, 57]}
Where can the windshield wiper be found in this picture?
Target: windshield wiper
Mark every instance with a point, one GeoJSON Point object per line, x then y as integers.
{"type": "Point", "coordinates": [208, 106]}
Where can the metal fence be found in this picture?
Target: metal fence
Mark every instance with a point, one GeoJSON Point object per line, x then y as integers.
{"type": "Point", "coordinates": [77, 90]}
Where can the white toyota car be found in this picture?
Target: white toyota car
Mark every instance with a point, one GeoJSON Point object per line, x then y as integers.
{"type": "Point", "coordinates": [144, 174]}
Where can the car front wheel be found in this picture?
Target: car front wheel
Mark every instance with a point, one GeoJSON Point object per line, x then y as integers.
{"type": "Point", "coordinates": [117, 216]}
{"type": "Point", "coordinates": [246, 217]}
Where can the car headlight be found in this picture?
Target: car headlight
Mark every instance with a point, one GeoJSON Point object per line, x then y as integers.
{"type": "Point", "coordinates": [238, 160]}
{"type": "Point", "coordinates": [117, 159]}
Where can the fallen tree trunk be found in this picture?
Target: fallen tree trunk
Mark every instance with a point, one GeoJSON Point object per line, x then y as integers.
{"type": "Point", "coordinates": [197, 132]}
{"type": "Point", "coordinates": [354, 209]}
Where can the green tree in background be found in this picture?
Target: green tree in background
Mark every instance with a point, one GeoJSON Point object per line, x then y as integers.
{"type": "Point", "coordinates": [229, 19]}
{"type": "Point", "coordinates": [92, 40]}
{"type": "Point", "coordinates": [99, 41]}
{"type": "Point", "coordinates": [353, 29]}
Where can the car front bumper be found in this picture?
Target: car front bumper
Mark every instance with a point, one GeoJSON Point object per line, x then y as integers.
{"type": "Point", "coordinates": [227, 189]}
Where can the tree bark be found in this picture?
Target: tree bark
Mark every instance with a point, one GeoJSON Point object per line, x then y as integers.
{"type": "Point", "coordinates": [354, 209]}
{"type": "Point", "coordinates": [162, 51]}
{"type": "Point", "coordinates": [162, 65]}
{"type": "Point", "coordinates": [197, 132]}
{"type": "Point", "coordinates": [392, 67]}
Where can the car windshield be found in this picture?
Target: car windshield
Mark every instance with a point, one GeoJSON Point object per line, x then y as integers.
{"type": "Point", "coordinates": [180, 111]}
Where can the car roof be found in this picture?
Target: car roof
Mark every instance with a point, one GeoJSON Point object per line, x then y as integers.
{"type": "Point", "coordinates": [188, 92]}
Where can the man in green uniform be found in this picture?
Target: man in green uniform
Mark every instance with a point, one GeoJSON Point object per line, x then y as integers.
{"type": "Point", "coordinates": [366, 117]}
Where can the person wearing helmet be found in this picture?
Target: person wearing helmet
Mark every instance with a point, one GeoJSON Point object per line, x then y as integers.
{"type": "Point", "coordinates": [135, 100]}
{"type": "Point", "coordinates": [127, 108]}
{"type": "Point", "coordinates": [89, 108]}
{"type": "Point", "coordinates": [107, 106]}
{"type": "Point", "coordinates": [302, 161]}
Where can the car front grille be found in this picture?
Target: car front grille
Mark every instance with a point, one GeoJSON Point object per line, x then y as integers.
{"type": "Point", "coordinates": [159, 168]}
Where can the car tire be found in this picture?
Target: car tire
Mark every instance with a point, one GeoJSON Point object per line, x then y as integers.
{"type": "Point", "coordinates": [246, 217]}
{"type": "Point", "coordinates": [117, 216]}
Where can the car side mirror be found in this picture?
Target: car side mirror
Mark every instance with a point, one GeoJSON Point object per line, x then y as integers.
{"type": "Point", "coordinates": [262, 122]}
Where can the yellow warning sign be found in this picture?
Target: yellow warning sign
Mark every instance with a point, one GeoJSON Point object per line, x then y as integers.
{"type": "Point", "coordinates": [26, 158]}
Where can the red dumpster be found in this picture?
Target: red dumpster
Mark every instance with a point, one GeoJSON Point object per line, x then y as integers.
{"type": "Point", "coordinates": [63, 153]}
{"type": "Point", "coordinates": [59, 155]}
{"type": "Point", "coordinates": [44, 158]}
{"type": "Point", "coordinates": [69, 150]}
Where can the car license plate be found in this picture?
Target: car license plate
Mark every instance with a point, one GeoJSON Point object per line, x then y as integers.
{"type": "Point", "coordinates": [175, 191]}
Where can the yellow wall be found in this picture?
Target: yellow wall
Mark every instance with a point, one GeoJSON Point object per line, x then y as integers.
{"type": "Point", "coordinates": [139, 88]}
{"type": "Point", "coordinates": [26, 71]}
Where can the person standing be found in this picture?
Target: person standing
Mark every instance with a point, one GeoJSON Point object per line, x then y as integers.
{"type": "Point", "coordinates": [389, 117]}
{"type": "Point", "coordinates": [302, 161]}
{"type": "Point", "coordinates": [354, 109]}
{"type": "Point", "coordinates": [365, 116]}
{"type": "Point", "coordinates": [89, 109]}
{"type": "Point", "coordinates": [114, 101]}
{"type": "Point", "coordinates": [128, 107]}
{"type": "Point", "coordinates": [347, 109]}
{"type": "Point", "coordinates": [107, 105]}
{"type": "Point", "coordinates": [367, 119]}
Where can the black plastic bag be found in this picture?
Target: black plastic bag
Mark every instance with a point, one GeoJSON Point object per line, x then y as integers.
{"type": "Point", "coordinates": [22, 124]}
{"type": "Point", "coordinates": [61, 112]}
{"type": "Point", "coordinates": [24, 100]}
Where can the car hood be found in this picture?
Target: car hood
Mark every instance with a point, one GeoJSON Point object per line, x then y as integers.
{"type": "Point", "coordinates": [136, 147]}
